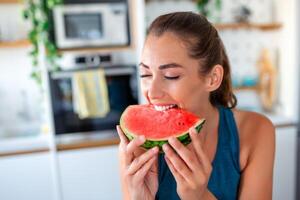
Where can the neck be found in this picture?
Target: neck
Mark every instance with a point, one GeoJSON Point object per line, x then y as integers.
{"type": "Point", "coordinates": [211, 115]}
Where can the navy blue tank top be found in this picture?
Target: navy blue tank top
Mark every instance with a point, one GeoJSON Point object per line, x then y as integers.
{"type": "Point", "coordinates": [225, 176]}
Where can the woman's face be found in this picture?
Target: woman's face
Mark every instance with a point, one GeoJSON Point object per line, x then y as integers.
{"type": "Point", "coordinates": [169, 76]}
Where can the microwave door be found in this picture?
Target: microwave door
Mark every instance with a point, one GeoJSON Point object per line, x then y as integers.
{"type": "Point", "coordinates": [84, 29]}
{"type": "Point", "coordinates": [85, 26]}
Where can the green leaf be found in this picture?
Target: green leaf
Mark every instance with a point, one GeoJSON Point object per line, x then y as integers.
{"type": "Point", "coordinates": [33, 53]}
{"type": "Point", "coordinates": [45, 26]}
{"type": "Point", "coordinates": [37, 12]}
{"type": "Point", "coordinates": [25, 14]}
{"type": "Point", "coordinates": [35, 63]}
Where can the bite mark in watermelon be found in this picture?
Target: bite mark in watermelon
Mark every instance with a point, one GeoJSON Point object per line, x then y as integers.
{"type": "Point", "coordinates": [158, 126]}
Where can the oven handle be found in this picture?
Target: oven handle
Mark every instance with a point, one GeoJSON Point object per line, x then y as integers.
{"type": "Point", "coordinates": [108, 72]}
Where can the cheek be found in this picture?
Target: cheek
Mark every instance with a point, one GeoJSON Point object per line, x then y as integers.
{"type": "Point", "coordinates": [178, 90]}
{"type": "Point", "coordinates": [185, 88]}
{"type": "Point", "coordinates": [144, 87]}
{"type": "Point", "coordinates": [188, 92]}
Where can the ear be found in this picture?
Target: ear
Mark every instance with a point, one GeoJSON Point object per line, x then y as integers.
{"type": "Point", "coordinates": [214, 79]}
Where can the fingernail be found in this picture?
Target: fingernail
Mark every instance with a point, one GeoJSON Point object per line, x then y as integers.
{"type": "Point", "coordinates": [172, 139]}
{"type": "Point", "coordinates": [141, 138]}
{"type": "Point", "coordinates": [154, 149]}
{"type": "Point", "coordinates": [193, 130]}
{"type": "Point", "coordinates": [165, 147]}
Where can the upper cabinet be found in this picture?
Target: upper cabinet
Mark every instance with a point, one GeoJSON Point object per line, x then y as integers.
{"type": "Point", "coordinates": [13, 28]}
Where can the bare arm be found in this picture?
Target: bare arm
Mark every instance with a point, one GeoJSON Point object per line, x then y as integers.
{"type": "Point", "coordinates": [257, 176]}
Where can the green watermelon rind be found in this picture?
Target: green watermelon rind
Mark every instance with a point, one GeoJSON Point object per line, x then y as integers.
{"type": "Point", "coordinates": [184, 137]}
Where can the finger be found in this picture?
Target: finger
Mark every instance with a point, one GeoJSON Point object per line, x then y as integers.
{"type": "Point", "coordinates": [177, 162]}
{"type": "Point", "coordinates": [201, 155]}
{"type": "Point", "coordinates": [136, 142]}
{"type": "Point", "coordinates": [123, 138]}
{"type": "Point", "coordinates": [141, 173]}
{"type": "Point", "coordinates": [141, 160]}
{"type": "Point", "coordinates": [181, 177]}
{"type": "Point", "coordinates": [187, 156]}
{"type": "Point", "coordinates": [133, 146]}
{"type": "Point", "coordinates": [176, 174]}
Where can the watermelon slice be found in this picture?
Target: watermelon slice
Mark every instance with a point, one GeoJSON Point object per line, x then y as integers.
{"type": "Point", "coordinates": [158, 126]}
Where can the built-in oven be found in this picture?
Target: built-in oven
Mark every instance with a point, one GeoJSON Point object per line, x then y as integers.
{"type": "Point", "coordinates": [122, 90]}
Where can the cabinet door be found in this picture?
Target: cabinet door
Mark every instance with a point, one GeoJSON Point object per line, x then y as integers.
{"type": "Point", "coordinates": [90, 174]}
{"type": "Point", "coordinates": [284, 184]}
{"type": "Point", "coordinates": [26, 177]}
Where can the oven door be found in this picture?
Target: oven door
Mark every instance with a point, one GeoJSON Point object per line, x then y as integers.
{"type": "Point", "coordinates": [122, 92]}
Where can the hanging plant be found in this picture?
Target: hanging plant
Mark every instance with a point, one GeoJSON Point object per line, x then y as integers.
{"type": "Point", "coordinates": [208, 7]}
{"type": "Point", "coordinates": [38, 12]}
{"type": "Point", "coordinates": [202, 6]}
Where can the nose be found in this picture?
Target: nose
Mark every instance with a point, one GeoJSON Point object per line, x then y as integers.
{"type": "Point", "coordinates": [155, 90]}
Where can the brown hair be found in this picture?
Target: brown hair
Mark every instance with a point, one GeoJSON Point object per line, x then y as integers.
{"type": "Point", "coordinates": [204, 43]}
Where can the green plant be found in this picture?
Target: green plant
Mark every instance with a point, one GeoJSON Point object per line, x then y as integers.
{"type": "Point", "coordinates": [205, 8]}
{"type": "Point", "coordinates": [38, 12]}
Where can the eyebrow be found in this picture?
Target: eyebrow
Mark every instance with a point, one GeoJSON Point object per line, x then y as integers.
{"type": "Point", "coordinates": [162, 67]}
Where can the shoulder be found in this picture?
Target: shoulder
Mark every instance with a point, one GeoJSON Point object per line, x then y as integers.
{"type": "Point", "coordinates": [256, 134]}
{"type": "Point", "coordinates": [251, 121]}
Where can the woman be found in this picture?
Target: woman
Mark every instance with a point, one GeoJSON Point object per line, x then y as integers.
{"type": "Point", "coordinates": [184, 63]}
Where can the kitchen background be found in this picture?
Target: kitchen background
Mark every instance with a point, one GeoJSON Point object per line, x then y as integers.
{"type": "Point", "coordinates": [52, 148]}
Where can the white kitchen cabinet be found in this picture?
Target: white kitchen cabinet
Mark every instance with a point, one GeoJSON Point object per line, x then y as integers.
{"type": "Point", "coordinates": [26, 177]}
{"type": "Point", "coordinates": [90, 174]}
{"type": "Point", "coordinates": [284, 182]}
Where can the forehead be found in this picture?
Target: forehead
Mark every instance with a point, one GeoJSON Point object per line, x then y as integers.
{"type": "Point", "coordinates": [164, 49]}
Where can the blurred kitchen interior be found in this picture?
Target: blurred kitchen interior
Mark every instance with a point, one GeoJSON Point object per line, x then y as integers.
{"type": "Point", "coordinates": [56, 54]}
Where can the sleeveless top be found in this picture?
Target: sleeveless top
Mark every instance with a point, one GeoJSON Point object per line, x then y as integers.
{"type": "Point", "coordinates": [225, 177]}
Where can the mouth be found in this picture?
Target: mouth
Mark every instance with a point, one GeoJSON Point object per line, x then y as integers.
{"type": "Point", "coordinates": [165, 107]}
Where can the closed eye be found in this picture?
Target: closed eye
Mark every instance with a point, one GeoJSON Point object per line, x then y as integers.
{"type": "Point", "coordinates": [171, 77]}
{"type": "Point", "coordinates": [145, 75]}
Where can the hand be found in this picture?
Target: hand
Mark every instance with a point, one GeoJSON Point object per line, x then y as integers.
{"type": "Point", "coordinates": [190, 167]}
{"type": "Point", "coordinates": [139, 168]}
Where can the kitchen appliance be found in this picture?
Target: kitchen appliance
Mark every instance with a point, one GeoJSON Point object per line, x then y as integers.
{"type": "Point", "coordinates": [69, 61]}
{"type": "Point", "coordinates": [121, 83]}
{"type": "Point", "coordinates": [91, 25]}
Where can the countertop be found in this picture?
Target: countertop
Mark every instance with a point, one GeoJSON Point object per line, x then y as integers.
{"type": "Point", "coordinates": [41, 143]}
{"type": "Point", "coordinates": [24, 145]}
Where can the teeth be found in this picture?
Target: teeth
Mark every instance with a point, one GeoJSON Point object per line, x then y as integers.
{"type": "Point", "coordinates": [163, 108]}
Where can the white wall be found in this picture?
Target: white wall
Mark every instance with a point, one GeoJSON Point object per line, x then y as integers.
{"type": "Point", "coordinates": [289, 71]}
{"type": "Point", "coordinates": [12, 25]}
{"type": "Point", "coordinates": [20, 99]}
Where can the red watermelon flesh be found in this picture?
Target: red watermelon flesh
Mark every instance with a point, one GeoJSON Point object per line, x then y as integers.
{"type": "Point", "coordinates": [158, 126]}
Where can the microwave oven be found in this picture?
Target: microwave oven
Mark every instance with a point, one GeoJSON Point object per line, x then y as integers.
{"type": "Point", "coordinates": [91, 25]}
{"type": "Point", "coordinates": [121, 81]}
